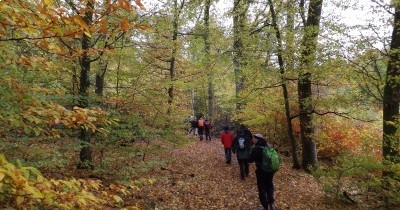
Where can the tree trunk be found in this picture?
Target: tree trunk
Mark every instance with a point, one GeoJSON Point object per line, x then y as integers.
{"type": "Point", "coordinates": [85, 153]}
{"type": "Point", "coordinates": [99, 85]}
{"type": "Point", "coordinates": [240, 8]}
{"type": "Point", "coordinates": [290, 45]}
{"type": "Point", "coordinates": [207, 59]}
{"type": "Point", "coordinates": [173, 57]}
{"type": "Point", "coordinates": [296, 163]}
{"type": "Point", "coordinates": [193, 105]}
{"type": "Point", "coordinates": [306, 105]}
{"type": "Point", "coordinates": [75, 83]}
{"type": "Point", "coordinates": [391, 98]}
{"type": "Point", "coordinates": [117, 87]}
{"type": "Point", "coordinates": [100, 78]}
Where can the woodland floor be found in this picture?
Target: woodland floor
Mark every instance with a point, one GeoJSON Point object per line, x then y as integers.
{"type": "Point", "coordinates": [198, 178]}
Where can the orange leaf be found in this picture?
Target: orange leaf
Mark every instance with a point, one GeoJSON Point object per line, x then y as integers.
{"type": "Point", "coordinates": [103, 26]}
{"type": "Point", "coordinates": [139, 3]}
{"type": "Point", "coordinates": [124, 24]}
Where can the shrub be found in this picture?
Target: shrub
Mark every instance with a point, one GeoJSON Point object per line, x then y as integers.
{"type": "Point", "coordinates": [25, 187]}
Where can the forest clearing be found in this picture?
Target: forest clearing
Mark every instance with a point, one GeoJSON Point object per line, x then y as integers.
{"type": "Point", "coordinates": [199, 104]}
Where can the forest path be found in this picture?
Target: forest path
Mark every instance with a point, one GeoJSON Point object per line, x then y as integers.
{"type": "Point", "coordinates": [198, 178]}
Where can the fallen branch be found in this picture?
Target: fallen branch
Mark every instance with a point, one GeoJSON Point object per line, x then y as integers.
{"type": "Point", "coordinates": [347, 196]}
{"type": "Point", "coordinates": [177, 172]}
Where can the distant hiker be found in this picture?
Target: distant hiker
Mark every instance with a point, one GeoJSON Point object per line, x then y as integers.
{"type": "Point", "coordinates": [247, 133]}
{"type": "Point", "coordinates": [207, 129]}
{"type": "Point", "coordinates": [267, 163]}
{"type": "Point", "coordinates": [241, 147]}
{"type": "Point", "coordinates": [193, 127]}
{"type": "Point", "coordinates": [227, 141]}
{"type": "Point", "coordinates": [188, 124]}
{"type": "Point", "coordinates": [200, 127]}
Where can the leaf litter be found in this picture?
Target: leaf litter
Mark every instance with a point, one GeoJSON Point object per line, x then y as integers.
{"type": "Point", "coordinates": [197, 177]}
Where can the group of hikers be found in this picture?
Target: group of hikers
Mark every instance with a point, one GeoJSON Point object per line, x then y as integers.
{"type": "Point", "coordinates": [201, 126]}
{"type": "Point", "coordinates": [248, 148]}
{"type": "Point", "coordinates": [253, 148]}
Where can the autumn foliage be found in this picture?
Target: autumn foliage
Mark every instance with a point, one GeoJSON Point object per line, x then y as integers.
{"type": "Point", "coordinates": [334, 140]}
{"type": "Point", "coordinates": [25, 187]}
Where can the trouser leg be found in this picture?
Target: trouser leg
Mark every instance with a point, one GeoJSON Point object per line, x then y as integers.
{"type": "Point", "coordinates": [246, 167]}
{"type": "Point", "coordinates": [201, 134]}
{"type": "Point", "coordinates": [269, 184]}
{"type": "Point", "coordinates": [242, 168]}
{"type": "Point", "coordinates": [228, 155]}
{"type": "Point", "coordinates": [262, 190]}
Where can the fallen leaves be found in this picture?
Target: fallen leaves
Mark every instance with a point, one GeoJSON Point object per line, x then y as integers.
{"type": "Point", "coordinates": [216, 185]}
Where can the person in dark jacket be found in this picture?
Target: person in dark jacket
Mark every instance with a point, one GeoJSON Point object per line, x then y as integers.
{"type": "Point", "coordinates": [265, 182]}
{"type": "Point", "coordinates": [241, 147]}
{"type": "Point", "coordinates": [194, 127]}
{"type": "Point", "coordinates": [247, 133]}
{"type": "Point", "coordinates": [207, 129]}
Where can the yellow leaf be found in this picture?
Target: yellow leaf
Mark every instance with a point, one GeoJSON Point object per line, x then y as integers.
{"type": "Point", "coordinates": [19, 200]}
{"type": "Point", "coordinates": [87, 33]}
{"type": "Point", "coordinates": [2, 175]}
{"type": "Point", "coordinates": [78, 20]}
{"type": "Point", "coordinates": [48, 2]}
{"type": "Point", "coordinates": [82, 201]}
{"type": "Point", "coordinates": [35, 193]}
{"type": "Point", "coordinates": [117, 198]}
{"type": "Point", "coordinates": [131, 208]}
{"type": "Point", "coordinates": [151, 181]}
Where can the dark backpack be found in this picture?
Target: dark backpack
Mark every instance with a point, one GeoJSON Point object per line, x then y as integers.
{"type": "Point", "coordinates": [270, 160]}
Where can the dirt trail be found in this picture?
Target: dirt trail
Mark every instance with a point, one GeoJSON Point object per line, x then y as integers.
{"type": "Point", "coordinates": [200, 179]}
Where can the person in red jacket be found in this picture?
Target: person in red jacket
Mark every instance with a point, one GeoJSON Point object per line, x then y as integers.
{"type": "Point", "coordinates": [227, 140]}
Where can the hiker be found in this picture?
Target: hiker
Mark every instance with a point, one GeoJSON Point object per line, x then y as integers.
{"type": "Point", "coordinates": [207, 129]}
{"type": "Point", "coordinates": [241, 147]}
{"type": "Point", "coordinates": [193, 128]}
{"type": "Point", "coordinates": [247, 133]}
{"type": "Point", "coordinates": [200, 127]}
{"type": "Point", "coordinates": [267, 163]}
{"type": "Point", "coordinates": [227, 141]}
{"type": "Point", "coordinates": [188, 124]}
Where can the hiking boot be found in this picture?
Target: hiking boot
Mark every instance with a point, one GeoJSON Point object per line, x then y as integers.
{"type": "Point", "coordinates": [272, 206]}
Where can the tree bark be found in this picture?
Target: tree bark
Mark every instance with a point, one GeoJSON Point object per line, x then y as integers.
{"type": "Point", "coordinates": [117, 87]}
{"type": "Point", "coordinates": [207, 59]}
{"type": "Point", "coordinates": [391, 97]}
{"type": "Point", "coordinates": [306, 105]}
{"type": "Point", "coordinates": [240, 8]}
{"type": "Point", "coordinates": [290, 45]}
{"type": "Point", "coordinates": [100, 78]}
{"type": "Point", "coordinates": [173, 56]}
{"type": "Point", "coordinates": [85, 153]}
{"type": "Point", "coordinates": [296, 163]}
